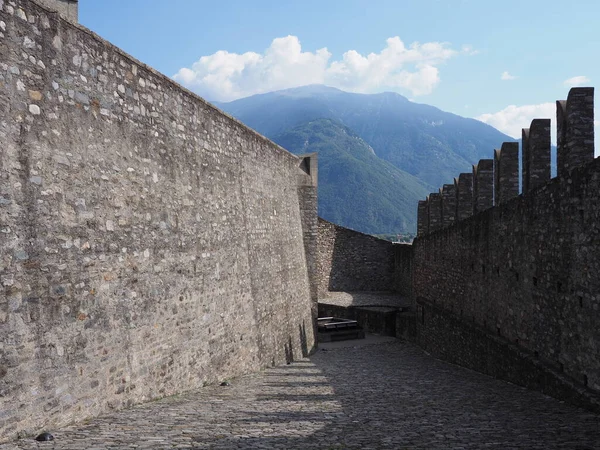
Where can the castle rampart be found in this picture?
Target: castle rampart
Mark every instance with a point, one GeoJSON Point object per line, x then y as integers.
{"type": "Point", "coordinates": [483, 185]}
{"type": "Point", "coordinates": [575, 130]}
{"type": "Point", "coordinates": [536, 154]}
{"type": "Point", "coordinates": [423, 218]}
{"type": "Point", "coordinates": [506, 172]}
{"type": "Point", "coordinates": [149, 243]}
{"type": "Point", "coordinates": [464, 196]}
{"type": "Point", "coordinates": [434, 202]}
{"type": "Point", "coordinates": [524, 270]}
{"type": "Point", "coordinates": [448, 195]}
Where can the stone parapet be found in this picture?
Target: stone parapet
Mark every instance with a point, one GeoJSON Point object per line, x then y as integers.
{"type": "Point", "coordinates": [506, 172]}
{"type": "Point", "coordinates": [483, 185]}
{"type": "Point", "coordinates": [494, 182]}
{"type": "Point", "coordinates": [423, 218]}
{"type": "Point", "coordinates": [575, 130]}
{"type": "Point", "coordinates": [435, 211]}
{"type": "Point", "coordinates": [449, 203]}
{"type": "Point", "coordinates": [536, 154]}
{"type": "Point", "coordinates": [464, 194]}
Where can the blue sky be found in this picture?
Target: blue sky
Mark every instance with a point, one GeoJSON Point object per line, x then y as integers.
{"type": "Point", "coordinates": [504, 62]}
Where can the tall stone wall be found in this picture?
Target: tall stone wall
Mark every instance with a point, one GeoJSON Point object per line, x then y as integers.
{"type": "Point", "coordinates": [403, 269]}
{"type": "Point", "coordinates": [526, 269]}
{"type": "Point", "coordinates": [307, 191]}
{"type": "Point", "coordinates": [149, 243]}
{"type": "Point", "coordinates": [352, 261]}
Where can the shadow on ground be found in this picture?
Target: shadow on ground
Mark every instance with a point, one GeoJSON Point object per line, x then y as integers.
{"type": "Point", "coordinates": [377, 393]}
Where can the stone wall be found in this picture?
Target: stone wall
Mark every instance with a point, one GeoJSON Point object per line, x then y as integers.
{"type": "Point", "coordinates": [69, 9]}
{"type": "Point", "coordinates": [353, 261]}
{"type": "Point", "coordinates": [403, 269]}
{"type": "Point", "coordinates": [526, 269]}
{"type": "Point", "coordinates": [307, 192]}
{"type": "Point", "coordinates": [450, 337]}
{"type": "Point", "coordinates": [149, 243]}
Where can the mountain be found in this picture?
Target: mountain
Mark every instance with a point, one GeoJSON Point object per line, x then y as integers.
{"type": "Point", "coordinates": [433, 145]}
{"type": "Point", "coordinates": [378, 153]}
{"type": "Point", "coordinates": [357, 189]}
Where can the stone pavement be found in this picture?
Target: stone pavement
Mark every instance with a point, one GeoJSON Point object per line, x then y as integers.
{"type": "Point", "coordinates": [369, 394]}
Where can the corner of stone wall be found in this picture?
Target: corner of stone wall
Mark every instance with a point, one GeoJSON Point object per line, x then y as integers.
{"type": "Point", "coordinates": [68, 9]}
{"type": "Point", "coordinates": [307, 197]}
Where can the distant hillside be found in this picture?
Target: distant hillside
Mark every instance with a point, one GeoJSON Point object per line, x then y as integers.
{"type": "Point", "coordinates": [357, 189]}
{"type": "Point", "coordinates": [378, 154]}
{"type": "Point", "coordinates": [433, 145]}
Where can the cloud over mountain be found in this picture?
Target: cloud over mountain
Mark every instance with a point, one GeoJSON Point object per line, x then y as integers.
{"type": "Point", "coordinates": [512, 119]}
{"type": "Point", "coordinates": [227, 76]}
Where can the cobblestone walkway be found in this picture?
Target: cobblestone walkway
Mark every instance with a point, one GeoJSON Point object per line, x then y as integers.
{"type": "Point", "coordinates": [378, 395]}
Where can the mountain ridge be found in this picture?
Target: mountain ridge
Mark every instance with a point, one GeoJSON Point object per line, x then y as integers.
{"type": "Point", "coordinates": [357, 189]}
{"type": "Point", "coordinates": [431, 145]}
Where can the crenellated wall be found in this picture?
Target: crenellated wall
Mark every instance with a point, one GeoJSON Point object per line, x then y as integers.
{"type": "Point", "coordinates": [483, 185]}
{"type": "Point", "coordinates": [506, 172]}
{"type": "Point", "coordinates": [525, 270]}
{"type": "Point", "coordinates": [149, 243]}
{"type": "Point", "coordinates": [535, 154]}
{"type": "Point", "coordinates": [496, 181]}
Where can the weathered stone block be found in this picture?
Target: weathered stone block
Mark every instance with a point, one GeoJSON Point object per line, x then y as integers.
{"type": "Point", "coordinates": [464, 195]}
{"type": "Point", "coordinates": [483, 185]}
{"type": "Point", "coordinates": [575, 129]}
{"type": "Point", "coordinates": [539, 153]}
{"type": "Point", "coordinates": [422, 218]}
{"type": "Point", "coordinates": [69, 9]}
{"type": "Point", "coordinates": [506, 172]}
{"type": "Point", "coordinates": [449, 203]}
{"type": "Point", "coordinates": [435, 211]}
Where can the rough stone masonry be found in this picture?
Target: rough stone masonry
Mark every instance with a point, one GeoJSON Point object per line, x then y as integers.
{"type": "Point", "coordinates": [526, 269]}
{"type": "Point", "coordinates": [149, 244]}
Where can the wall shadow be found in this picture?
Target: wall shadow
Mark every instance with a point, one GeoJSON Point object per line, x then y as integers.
{"type": "Point", "coordinates": [394, 396]}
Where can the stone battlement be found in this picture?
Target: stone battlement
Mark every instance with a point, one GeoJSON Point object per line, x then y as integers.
{"type": "Point", "coordinates": [496, 181]}
{"type": "Point", "coordinates": [522, 267]}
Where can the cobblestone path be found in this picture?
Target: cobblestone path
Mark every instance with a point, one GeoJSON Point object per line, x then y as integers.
{"type": "Point", "coordinates": [382, 395]}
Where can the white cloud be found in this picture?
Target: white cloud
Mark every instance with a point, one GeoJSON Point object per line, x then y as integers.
{"type": "Point", "coordinates": [513, 118]}
{"type": "Point", "coordinates": [507, 76]}
{"type": "Point", "coordinates": [469, 50]}
{"type": "Point", "coordinates": [576, 81]}
{"type": "Point", "coordinates": [226, 76]}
